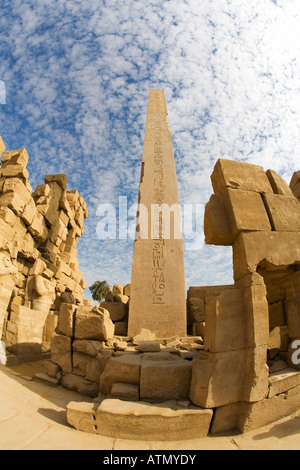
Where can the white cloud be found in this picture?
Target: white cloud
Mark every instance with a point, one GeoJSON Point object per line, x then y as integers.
{"type": "Point", "coordinates": [78, 74]}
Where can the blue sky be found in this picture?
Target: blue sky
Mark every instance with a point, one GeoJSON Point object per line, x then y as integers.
{"type": "Point", "coordinates": [75, 78]}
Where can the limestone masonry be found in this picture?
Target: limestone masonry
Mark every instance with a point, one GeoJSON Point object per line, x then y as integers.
{"type": "Point", "coordinates": [152, 364]}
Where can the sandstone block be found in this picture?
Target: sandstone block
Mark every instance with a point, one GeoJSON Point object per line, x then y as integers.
{"type": "Point", "coordinates": [117, 310]}
{"type": "Point", "coordinates": [80, 384]}
{"type": "Point", "coordinates": [279, 338]}
{"type": "Point", "coordinates": [38, 228]}
{"type": "Point", "coordinates": [225, 324]}
{"type": "Point", "coordinates": [120, 328]}
{"type": "Point", "coordinates": [239, 175]}
{"type": "Point", "coordinates": [13, 201]}
{"type": "Point", "coordinates": [87, 366]}
{"type": "Point", "coordinates": [121, 298]}
{"type": "Point", "coordinates": [29, 212]}
{"type": "Point", "coordinates": [66, 320]}
{"type": "Point", "coordinates": [15, 157]}
{"type": "Point", "coordinates": [125, 391]}
{"type": "Point", "coordinates": [164, 376]}
{"type": "Point", "coordinates": [276, 248]}
{"type": "Point", "coordinates": [118, 289]}
{"type": "Point", "coordinates": [124, 369]}
{"type": "Point", "coordinates": [217, 379]}
{"type": "Point", "coordinates": [86, 346]}
{"type": "Point", "coordinates": [93, 323]}
{"type": "Point", "coordinates": [246, 211]}
{"type": "Point", "coordinates": [217, 227]}
{"type": "Point", "coordinates": [139, 421]}
{"type": "Point", "coordinates": [148, 346]}
{"type": "Point", "coordinates": [283, 381]}
{"type": "Point", "coordinates": [2, 146]}
{"type": "Point", "coordinates": [15, 171]}
{"type": "Point", "coordinates": [127, 290]}
{"type": "Point", "coordinates": [15, 185]}
{"type": "Point", "coordinates": [279, 186]}
{"type": "Point", "coordinates": [295, 180]}
{"type": "Point", "coordinates": [284, 212]}
{"type": "Point", "coordinates": [61, 352]}
{"type": "Point", "coordinates": [61, 180]}
{"type": "Point", "coordinates": [144, 335]}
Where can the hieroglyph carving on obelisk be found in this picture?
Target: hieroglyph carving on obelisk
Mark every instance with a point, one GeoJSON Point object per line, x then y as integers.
{"type": "Point", "coordinates": [158, 297]}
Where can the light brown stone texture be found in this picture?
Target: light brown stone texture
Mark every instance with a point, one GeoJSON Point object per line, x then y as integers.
{"type": "Point", "coordinates": [157, 300]}
{"type": "Point", "coordinates": [38, 236]}
{"type": "Point", "coordinates": [141, 421]}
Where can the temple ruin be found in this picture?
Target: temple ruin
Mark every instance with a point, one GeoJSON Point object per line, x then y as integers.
{"type": "Point", "coordinates": [232, 365]}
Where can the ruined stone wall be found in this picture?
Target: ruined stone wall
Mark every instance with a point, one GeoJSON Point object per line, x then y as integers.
{"type": "Point", "coordinates": [39, 231]}
{"type": "Point", "coordinates": [249, 327]}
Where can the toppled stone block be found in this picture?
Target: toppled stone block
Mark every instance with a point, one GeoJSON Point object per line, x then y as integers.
{"type": "Point", "coordinates": [93, 323]}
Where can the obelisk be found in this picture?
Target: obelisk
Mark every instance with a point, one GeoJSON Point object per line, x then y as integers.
{"type": "Point", "coordinates": [158, 297]}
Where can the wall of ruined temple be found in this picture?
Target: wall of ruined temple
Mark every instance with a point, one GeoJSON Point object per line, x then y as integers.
{"type": "Point", "coordinates": [39, 270]}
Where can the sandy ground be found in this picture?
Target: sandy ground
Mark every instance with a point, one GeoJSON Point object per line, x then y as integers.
{"type": "Point", "coordinates": [33, 417]}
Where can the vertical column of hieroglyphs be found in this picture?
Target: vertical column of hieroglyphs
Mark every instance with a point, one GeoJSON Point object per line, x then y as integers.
{"type": "Point", "coordinates": [157, 283]}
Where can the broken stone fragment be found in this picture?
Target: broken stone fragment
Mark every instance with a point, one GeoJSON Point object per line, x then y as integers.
{"type": "Point", "coordinates": [93, 323]}
{"type": "Point", "coordinates": [145, 334]}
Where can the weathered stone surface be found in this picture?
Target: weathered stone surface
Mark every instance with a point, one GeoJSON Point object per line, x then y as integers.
{"type": "Point", "coordinates": [283, 381]}
{"type": "Point", "coordinates": [125, 391]}
{"type": "Point", "coordinates": [157, 297]}
{"type": "Point", "coordinates": [125, 369]}
{"type": "Point", "coordinates": [93, 324]}
{"type": "Point", "coordinates": [129, 420]}
{"type": "Point", "coordinates": [217, 227]}
{"type": "Point", "coordinates": [86, 346]}
{"type": "Point", "coordinates": [278, 184]}
{"type": "Point", "coordinates": [215, 382]}
{"type": "Point", "coordinates": [225, 326]}
{"type": "Point", "coordinates": [239, 175]}
{"type": "Point", "coordinates": [145, 334]}
{"type": "Point", "coordinates": [284, 212]}
{"type": "Point", "coordinates": [246, 211]}
{"type": "Point", "coordinates": [279, 338]}
{"type": "Point", "coordinates": [148, 346]}
{"type": "Point", "coordinates": [117, 310]}
{"type": "Point", "coordinates": [164, 376]}
{"type": "Point", "coordinates": [276, 248]}
{"type": "Point", "coordinates": [66, 321]}
{"type": "Point", "coordinates": [61, 352]}
{"type": "Point", "coordinates": [80, 384]}
{"type": "Point", "coordinates": [87, 366]}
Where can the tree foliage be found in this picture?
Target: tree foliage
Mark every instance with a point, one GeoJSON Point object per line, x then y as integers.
{"type": "Point", "coordinates": [99, 289]}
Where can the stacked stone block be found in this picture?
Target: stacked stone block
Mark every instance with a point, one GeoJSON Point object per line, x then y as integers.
{"type": "Point", "coordinates": [38, 235]}
{"type": "Point", "coordinates": [249, 327]}
{"type": "Point", "coordinates": [117, 303]}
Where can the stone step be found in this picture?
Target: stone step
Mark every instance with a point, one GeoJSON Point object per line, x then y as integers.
{"type": "Point", "coordinates": [140, 420]}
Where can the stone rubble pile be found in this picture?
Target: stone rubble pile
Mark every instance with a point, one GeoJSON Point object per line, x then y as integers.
{"type": "Point", "coordinates": [39, 231]}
